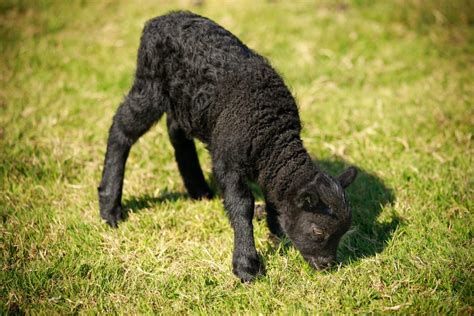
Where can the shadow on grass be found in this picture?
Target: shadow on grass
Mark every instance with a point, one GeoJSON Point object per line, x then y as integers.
{"type": "Point", "coordinates": [136, 204]}
{"type": "Point", "coordinates": [368, 196]}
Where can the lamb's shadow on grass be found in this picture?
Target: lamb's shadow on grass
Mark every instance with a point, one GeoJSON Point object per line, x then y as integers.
{"type": "Point", "coordinates": [136, 204]}
{"type": "Point", "coordinates": [368, 196]}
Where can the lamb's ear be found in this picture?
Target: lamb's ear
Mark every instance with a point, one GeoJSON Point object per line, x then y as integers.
{"type": "Point", "coordinates": [347, 177]}
{"type": "Point", "coordinates": [306, 199]}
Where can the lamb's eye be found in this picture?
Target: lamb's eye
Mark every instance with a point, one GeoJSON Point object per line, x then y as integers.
{"type": "Point", "coordinates": [318, 234]}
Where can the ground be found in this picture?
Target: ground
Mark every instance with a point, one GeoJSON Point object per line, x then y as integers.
{"type": "Point", "coordinates": [386, 86]}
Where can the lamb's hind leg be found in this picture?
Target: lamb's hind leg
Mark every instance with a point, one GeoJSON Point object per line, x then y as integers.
{"type": "Point", "coordinates": [143, 106]}
{"type": "Point", "coordinates": [188, 161]}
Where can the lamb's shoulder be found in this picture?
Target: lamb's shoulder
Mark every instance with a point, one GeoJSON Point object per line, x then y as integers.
{"type": "Point", "coordinates": [255, 121]}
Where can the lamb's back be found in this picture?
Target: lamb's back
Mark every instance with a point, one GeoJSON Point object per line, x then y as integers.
{"type": "Point", "coordinates": [184, 45]}
{"type": "Point", "coordinates": [207, 71]}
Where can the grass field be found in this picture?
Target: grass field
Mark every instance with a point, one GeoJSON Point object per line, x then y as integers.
{"type": "Point", "coordinates": [387, 86]}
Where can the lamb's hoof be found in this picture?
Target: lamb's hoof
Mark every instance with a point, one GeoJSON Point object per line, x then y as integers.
{"type": "Point", "coordinates": [247, 268]}
{"type": "Point", "coordinates": [113, 217]}
{"type": "Point", "coordinates": [112, 223]}
{"type": "Point", "coordinates": [203, 194]}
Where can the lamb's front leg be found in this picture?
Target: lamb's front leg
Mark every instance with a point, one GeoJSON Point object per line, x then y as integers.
{"type": "Point", "coordinates": [272, 220]}
{"type": "Point", "coordinates": [239, 204]}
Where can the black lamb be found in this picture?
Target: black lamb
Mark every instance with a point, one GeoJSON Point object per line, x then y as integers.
{"type": "Point", "coordinates": [214, 88]}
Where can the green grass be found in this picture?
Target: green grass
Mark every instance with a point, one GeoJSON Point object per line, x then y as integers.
{"type": "Point", "coordinates": [387, 86]}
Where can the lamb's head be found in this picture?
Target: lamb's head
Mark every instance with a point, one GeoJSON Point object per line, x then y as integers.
{"type": "Point", "coordinates": [317, 216]}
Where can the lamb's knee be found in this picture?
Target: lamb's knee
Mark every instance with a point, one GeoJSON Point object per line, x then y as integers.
{"type": "Point", "coordinates": [239, 206]}
{"type": "Point", "coordinates": [122, 132]}
{"type": "Point", "coordinates": [133, 119]}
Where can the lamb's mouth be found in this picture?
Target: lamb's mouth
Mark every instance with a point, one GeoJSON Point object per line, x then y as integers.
{"type": "Point", "coordinates": [320, 263]}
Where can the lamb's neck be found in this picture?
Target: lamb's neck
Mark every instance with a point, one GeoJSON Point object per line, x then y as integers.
{"type": "Point", "coordinates": [288, 162]}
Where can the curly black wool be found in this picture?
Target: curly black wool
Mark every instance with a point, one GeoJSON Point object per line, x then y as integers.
{"type": "Point", "coordinates": [214, 88]}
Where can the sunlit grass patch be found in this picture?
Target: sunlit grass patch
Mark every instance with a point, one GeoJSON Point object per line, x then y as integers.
{"type": "Point", "coordinates": [383, 85]}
